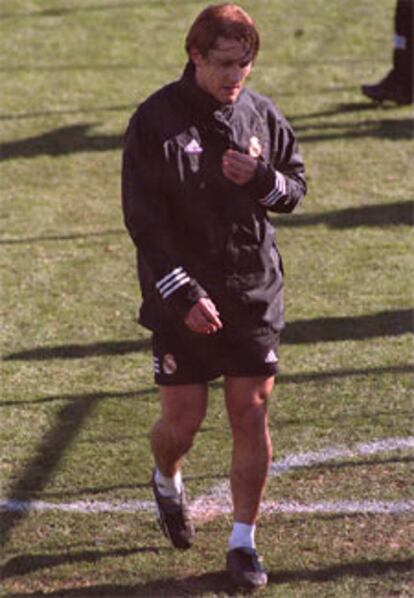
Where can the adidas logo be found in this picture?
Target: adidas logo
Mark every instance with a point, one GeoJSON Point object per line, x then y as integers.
{"type": "Point", "coordinates": [193, 147]}
{"type": "Point", "coordinates": [271, 357]}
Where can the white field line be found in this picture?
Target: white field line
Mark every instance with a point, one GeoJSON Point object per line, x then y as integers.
{"type": "Point", "coordinates": [217, 500]}
{"type": "Point", "coordinates": [135, 506]}
{"type": "Point", "coordinates": [377, 507]}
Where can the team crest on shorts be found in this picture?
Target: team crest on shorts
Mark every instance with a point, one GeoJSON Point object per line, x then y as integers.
{"type": "Point", "coordinates": [255, 148]}
{"type": "Point", "coordinates": [169, 365]}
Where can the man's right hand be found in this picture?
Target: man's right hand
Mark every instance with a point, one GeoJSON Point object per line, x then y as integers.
{"type": "Point", "coordinates": [203, 317]}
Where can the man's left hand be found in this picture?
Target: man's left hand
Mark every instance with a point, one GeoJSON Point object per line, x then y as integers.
{"type": "Point", "coordinates": [237, 167]}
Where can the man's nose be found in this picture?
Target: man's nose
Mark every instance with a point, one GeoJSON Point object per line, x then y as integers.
{"type": "Point", "coordinates": [235, 74]}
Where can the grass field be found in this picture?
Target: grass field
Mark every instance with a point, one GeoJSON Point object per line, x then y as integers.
{"type": "Point", "coordinates": [78, 396]}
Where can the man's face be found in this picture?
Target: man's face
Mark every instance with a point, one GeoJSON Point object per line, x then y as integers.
{"type": "Point", "coordinates": [223, 71]}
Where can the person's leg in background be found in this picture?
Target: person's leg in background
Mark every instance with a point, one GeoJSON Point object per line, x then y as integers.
{"type": "Point", "coordinates": [397, 85]}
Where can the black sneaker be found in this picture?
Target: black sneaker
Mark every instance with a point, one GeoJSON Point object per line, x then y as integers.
{"type": "Point", "coordinates": [389, 90]}
{"type": "Point", "coordinates": [245, 569]}
{"type": "Point", "coordinates": [174, 518]}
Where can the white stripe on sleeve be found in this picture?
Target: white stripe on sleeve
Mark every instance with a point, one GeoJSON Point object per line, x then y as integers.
{"type": "Point", "coordinates": [278, 191]}
{"type": "Point", "coordinates": [172, 281]}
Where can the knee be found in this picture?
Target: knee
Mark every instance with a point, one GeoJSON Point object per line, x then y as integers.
{"type": "Point", "coordinates": [184, 427]}
{"type": "Point", "coordinates": [251, 434]}
{"type": "Point", "coordinates": [250, 418]}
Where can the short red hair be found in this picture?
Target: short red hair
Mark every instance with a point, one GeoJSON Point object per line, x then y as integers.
{"type": "Point", "coordinates": [222, 20]}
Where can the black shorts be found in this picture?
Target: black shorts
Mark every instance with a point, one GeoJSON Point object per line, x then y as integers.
{"type": "Point", "coordinates": [192, 358]}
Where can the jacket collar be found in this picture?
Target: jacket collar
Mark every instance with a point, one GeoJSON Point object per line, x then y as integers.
{"type": "Point", "coordinates": [204, 103]}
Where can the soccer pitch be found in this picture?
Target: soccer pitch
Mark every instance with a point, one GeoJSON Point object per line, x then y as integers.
{"type": "Point", "coordinates": [78, 398]}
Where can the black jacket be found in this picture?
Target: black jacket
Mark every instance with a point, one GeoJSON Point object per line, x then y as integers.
{"type": "Point", "coordinates": [197, 233]}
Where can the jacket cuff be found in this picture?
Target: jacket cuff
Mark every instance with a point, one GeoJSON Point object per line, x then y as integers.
{"type": "Point", "coordinates": [268, 185]}
{"type": "Point", "coordinates": [179, 290]}
{"type": "Point", "coordinates": [277, 192]}
{"type": "Point", "coordinates": [263, 181]}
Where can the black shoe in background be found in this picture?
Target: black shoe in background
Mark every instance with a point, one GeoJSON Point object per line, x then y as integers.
{"type": "Point", "coordinates": [389, 89]}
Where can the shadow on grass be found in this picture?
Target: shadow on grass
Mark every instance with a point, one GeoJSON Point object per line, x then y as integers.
{"type": "Point", "coordinates": [41, 113]}
{"type": "Point", "coordinates": [77, 351]}
{"type": "Point", "coordinates": [74, 66]}
{"type": "Point", "coordinates": [59, 12]}
{"type": "Point", "coordinates": [27, 563]}
{"type": "Point", "coordinates": [381, 129]}
{"type": "Point", "coordinates": [342, 108]}
{"type": "Point", "coordinates": [373, 568]}
{"type": "Point", "coordinates": [382, 215]}
{"type": "Point", "coordinates": [64, 140]}
{"type": "Point", "coordinates": [343, 373]}
{"type": "Point", "coordinates": [282, 379]}
{"type": "Point", "coordinates": [386, 323]}
{"type": "Point", "coordinates": [101, 7]}
{"type": "Point", "coordinates": [371, 416]}
{"type": "Point", "coordinates": [77, 138]}
{"type": "Point", "coordinates": [40, 468]}
{"type": "Point", "coordinates": [217, 477]}
{"type": "Point", "coordinates": [38, 471]}
{"type": "Point", "coordinates": [128, 394]}
{"type": "Point", "coordinates": [214, 477]}
{"type": "Point", "coordinates": [62, 237]}
{"type": "Point", "coordinates": [218, 583]}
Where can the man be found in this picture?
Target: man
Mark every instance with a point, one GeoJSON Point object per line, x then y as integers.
{"type": "Point", "coordinates": [204, 162]}
{"type": "Point", "coordinates": [398, 85]}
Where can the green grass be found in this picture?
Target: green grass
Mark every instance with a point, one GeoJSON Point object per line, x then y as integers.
{"type": "Point", "coordinates": [78, 396]}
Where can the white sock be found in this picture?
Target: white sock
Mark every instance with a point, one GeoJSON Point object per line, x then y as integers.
{"type": "Point", "coordinates": [242, 536]}
{"type": "Point", "coordinates": [170, 487]}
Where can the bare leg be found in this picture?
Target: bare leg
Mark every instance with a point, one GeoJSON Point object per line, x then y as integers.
{"type": "Point", "coordinates": [182, 411]}
{"type": "Point", "coordinates": [246, 400]}
{"type": "Point", "coordinates": [183, 408]}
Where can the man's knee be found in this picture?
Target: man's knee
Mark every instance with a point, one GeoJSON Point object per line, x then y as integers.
{"type": "Point", "coordinates": [251, 436]}
{"type": "Point", "coordinates": [247, 403]}
{"type": "Point", "coordinates": [251, 421]}
{"type": "Point", "coordinates": [184, 429]}
{"type": "Point", "coordinates": [183, 412]}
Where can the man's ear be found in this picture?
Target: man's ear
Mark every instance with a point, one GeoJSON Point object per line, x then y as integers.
{"type": "Point", "coordinates": [196, 57]}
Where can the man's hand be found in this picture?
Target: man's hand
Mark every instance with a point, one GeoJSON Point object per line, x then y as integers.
{"type": "Point", "coordinates": [237, 167]}
{"type": "Point", "coordinates": [203, 317]}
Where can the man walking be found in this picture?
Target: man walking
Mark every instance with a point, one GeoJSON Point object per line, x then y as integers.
{"type": "Point", "coordinates": [204, 162]}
